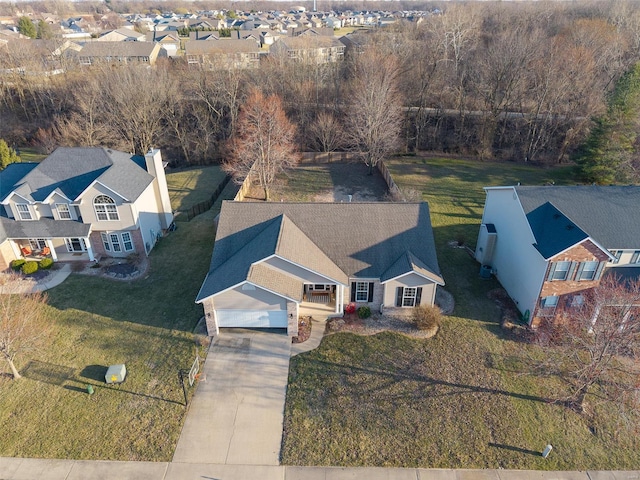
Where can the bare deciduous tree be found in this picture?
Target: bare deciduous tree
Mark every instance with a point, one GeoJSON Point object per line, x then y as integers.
{"type": "Point", "coordinates": [596, 348]}
{"type": "Point", "coordinates": [327, 133]}
{"type": "Point", "coordinates": [375, 114]}
{"type": "Point", "coordinates": [264, 143]}
{"type": "Point", "coordinates": [137, 99]}
{"type": "Point", "coordinates": [24, 323]}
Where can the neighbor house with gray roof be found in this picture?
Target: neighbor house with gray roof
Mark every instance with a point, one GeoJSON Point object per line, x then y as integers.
{"type": "Point", "coordinates": [549, 245]}
{"type": "Point", "coordinates": [119, 52]}
{"type": "Point", "coordinates": [275, 261]}
{"type": "Point", "coordinates": [225, 53]}
{"type": "Point", "coordinates": [83, 204]}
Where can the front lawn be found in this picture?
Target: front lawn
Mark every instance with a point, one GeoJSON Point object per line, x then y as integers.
{"type": "Point", "coordinates": [146, 324]}
{"type": "Point", "coordinates": [462, 399]}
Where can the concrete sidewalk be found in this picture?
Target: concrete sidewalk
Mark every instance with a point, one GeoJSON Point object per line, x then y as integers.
{"type": "Point", "coordinates": [317, 334]}
{"type": "Point", "coordinates": [40, 469]}
{"type": "Point", "coordinates": [236, 416]}
{"type": "Point", "coordinates": [27, 285]}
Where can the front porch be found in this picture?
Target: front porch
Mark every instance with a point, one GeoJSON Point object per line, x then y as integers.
{"type": "Point", "coordinates": [59, 249]}
{"type": "Point", "coordinates": [319, 311]}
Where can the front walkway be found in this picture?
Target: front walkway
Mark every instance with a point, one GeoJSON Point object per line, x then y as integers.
{"type": "Point", "coordinates": [27, 285]}
{"type": "Point", "coordinates": [236, 415]}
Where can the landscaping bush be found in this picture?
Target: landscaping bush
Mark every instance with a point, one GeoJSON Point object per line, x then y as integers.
{"type": "Point", "coordinates": [364, 312]}
{"type": "Point", "coordinates": [45, 263]}
{"type": "Point", "coordinates": [30, 267]}
{"type": "Point", "coordinates": [426, 317]}
{"type": "Point", "coordinates": [17, 264]}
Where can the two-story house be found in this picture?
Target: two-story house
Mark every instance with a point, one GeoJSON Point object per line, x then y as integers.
{"type": "Point", "coordinates": [311, 49]}
{"type": "Point", "coordinates": [223, 53]}
{"type": "Point", "coordinates": [83, 204]}
{"type": "Point", "coordinates": [547, 246]}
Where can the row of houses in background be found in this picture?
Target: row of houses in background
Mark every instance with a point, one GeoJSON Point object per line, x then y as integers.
{"type": "Point", "coordinates": [281, 21]}
{"type": "Point", "coordinates": [234, 39]}
{"type": "Point", "coordinates": [206, 50]}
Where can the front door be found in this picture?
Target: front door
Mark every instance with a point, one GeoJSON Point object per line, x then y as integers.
{"type": "Point", "coordinates": [76, 244]}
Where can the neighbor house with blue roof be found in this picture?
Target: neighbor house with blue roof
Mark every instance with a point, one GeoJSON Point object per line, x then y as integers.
{"type": "Point", "coordinates": [548, 245]}
{"type": "Point", "coordinates": [83, 204]}
{"type": "Point", "coordinates": [275, 261]}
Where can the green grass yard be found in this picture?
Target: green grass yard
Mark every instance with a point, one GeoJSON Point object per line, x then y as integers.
{"type": "Point", "coordinates": [145, 324]}
{"type": "Point", "coordinates": [30, 154]}
{"type": "Point", "coordinates": [194, 185]}
{"type": "Point", "coordinates": [462, 399]}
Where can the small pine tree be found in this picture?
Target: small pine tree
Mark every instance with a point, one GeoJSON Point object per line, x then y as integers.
{"type": "Point", "coordinates": [606, 156]}
{"type": "Point", "coordinates": [7, 155]}
{"type": "Point", "coordinates": [26, 27]}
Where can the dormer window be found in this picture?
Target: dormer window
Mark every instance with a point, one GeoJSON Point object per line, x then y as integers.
{"type": "Point", "coordinates": [63, 211]}
{"type": "Point", "coordinates": [23, 211]}
{"type": "Point", "coordinates": [105, 208]}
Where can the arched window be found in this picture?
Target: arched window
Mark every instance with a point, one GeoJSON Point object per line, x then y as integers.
{"type": "Point", "coordinates": [105, 208]}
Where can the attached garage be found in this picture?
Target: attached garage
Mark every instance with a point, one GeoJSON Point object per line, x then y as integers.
{"type": "Point", "coordinates": [252, 318]}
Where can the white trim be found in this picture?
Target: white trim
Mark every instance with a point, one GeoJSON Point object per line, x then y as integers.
{"type": "Point", "coordinates": [79, 197]}
{"type": "Point", "coordinates": [604, 250]}
{"type": "Point", "coordinates": [57, 191]}
{"type": "Point", "coordinates": [240, 284]}
{"type": "Point", "coordinates": [19, 213]}
{"type": "Point", "coordinates": [416, 273]}
{"type": "Point", "coordinates": [275, 255]}
{"type": "Point", "coordinates": [60, 217]}
{"type": "Point", "coordinates": [13, 192]}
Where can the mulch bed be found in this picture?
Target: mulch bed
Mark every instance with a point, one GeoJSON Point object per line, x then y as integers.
{"type": "Point", "coordinates": [304, 330]}
{"type": "Point", "coordinates": [376, 323]}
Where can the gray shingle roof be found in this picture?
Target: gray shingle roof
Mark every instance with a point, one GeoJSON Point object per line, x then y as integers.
{"type": "Point", "coordinates": [408, 262]}
{"type": "Point", "coordinates": [70, 171]}
{"type": "Point", "coordinates": [43, 228]}
{"type": "Point", "coordinates": [222, 46]}
{"type": "Point", "coordinates": [609, 215]}
{"type": "Point", "coordinates": [362, 240]}
{"type": "Point", "coordinates": [118, 49]}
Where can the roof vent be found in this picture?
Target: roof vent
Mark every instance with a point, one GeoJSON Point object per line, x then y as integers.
{"type": "Point", "coordinates": [569, 227]}
{"type": "Point", "coordinates": [556, 216]}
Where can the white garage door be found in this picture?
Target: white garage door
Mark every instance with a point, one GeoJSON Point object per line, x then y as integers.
{"type": "Point", "coordinates": [252, 318]}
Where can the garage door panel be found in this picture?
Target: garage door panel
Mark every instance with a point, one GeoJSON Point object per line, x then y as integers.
{"type": "Point", "coordinates": [252, 318]}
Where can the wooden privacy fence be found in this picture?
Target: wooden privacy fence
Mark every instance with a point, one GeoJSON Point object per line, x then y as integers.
{"type": "Point", "coordinates": [188, 214]}
{"type": "Point", "coordinates": [329, 157]}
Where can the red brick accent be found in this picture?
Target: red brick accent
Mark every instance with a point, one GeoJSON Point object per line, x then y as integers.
{"type": "Point", "coordinates": [138, 242]}
{"type": "Point", "coordinates": [96, 244]}
{"type": "Point", "coordinates": [565, 289]}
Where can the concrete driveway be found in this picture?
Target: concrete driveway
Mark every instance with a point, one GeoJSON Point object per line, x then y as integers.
{"type": "Point", "coordinates": [236, 415]}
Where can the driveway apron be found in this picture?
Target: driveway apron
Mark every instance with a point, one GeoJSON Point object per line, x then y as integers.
{"type": "Point", "coordinates": [236, 414]}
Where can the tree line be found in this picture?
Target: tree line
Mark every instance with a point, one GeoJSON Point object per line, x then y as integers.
{"type": "Point", "coordinates": [521, 82]}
